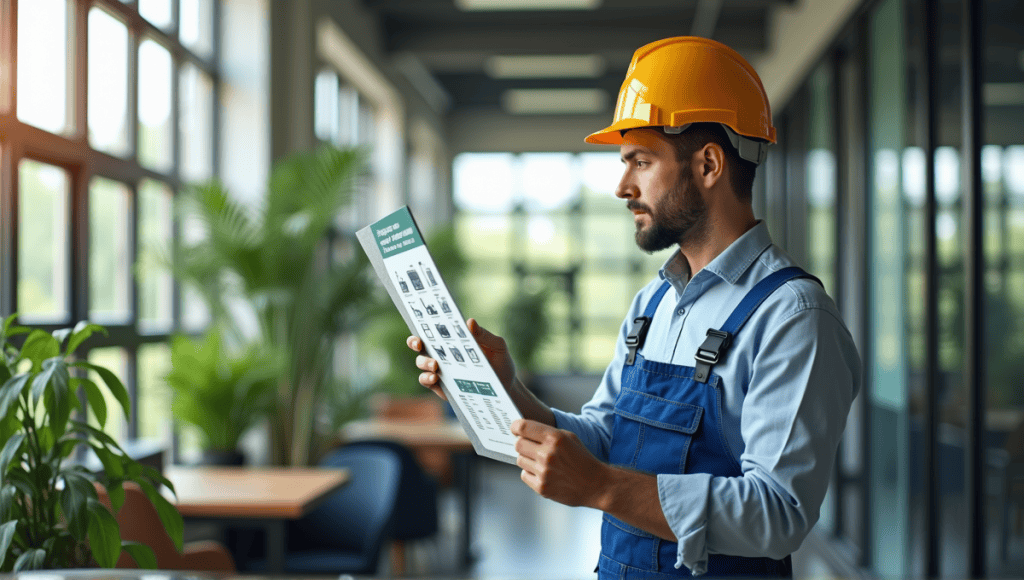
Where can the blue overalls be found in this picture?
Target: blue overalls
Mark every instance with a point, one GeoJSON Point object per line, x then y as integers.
{"type": "Point", "coordinates": [668, 419]}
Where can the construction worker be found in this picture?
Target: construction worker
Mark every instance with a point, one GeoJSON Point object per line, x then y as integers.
{"type": "Point", "coordinates": [711, 438]}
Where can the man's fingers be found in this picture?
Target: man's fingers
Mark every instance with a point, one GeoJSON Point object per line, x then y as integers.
{"type": "Point", "coordinates": [425, 363]}
{"type": "Point", "coordinates": [414, 343]}
{"type": "Point", "coordinates": [531, 430]}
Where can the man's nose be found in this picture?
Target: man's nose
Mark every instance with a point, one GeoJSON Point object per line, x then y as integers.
{"type": "Point", "coordinates": [626, 189]}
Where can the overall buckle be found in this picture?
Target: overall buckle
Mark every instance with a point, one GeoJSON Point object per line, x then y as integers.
{"type": "Point", "coordinates": [636, 336]}
{"type": "Point", "coordinates": [710, 352]}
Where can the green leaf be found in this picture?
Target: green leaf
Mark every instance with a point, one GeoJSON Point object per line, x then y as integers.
{"type": "Point", "coordinates": [10, 391]}
{"type": "Point", "coordinates": [60, 335]}
{"type": "Point", "coordinates": [7, 493]}
{"type": "Point", "coordinates": [112, 463]}
{"type": "Point", "coordinates": [97, 434]}
{"type": "Point", "coordinates": [104, 535]}
{"type": "Point", "coordinates": [141, 553]}
{"type": "Point", "coordinates": [97, 402]}
{"type": "Point", "coordinates": [9, 452]}
{"type": "Point", "coordinates": [55, 372]}
{"type": "Point", "coordinates": [113, 384]}
{"type": "Point", "coordinates": [157, 477]}
{"type": "Point", "coordinates": [30, 560]}
{"type": "Point", "coordinates": [115, 491]}
{"type": "Point", "coordinates": [170, 517]}
{"type": "Point", "coordinates": [74, 498]}
{"type": "Point", "coordinates": [6, 535]}
{"type": "Point", "coordinates": [39, 346]}
{"type": "Point", "coordinates": [83, 330]}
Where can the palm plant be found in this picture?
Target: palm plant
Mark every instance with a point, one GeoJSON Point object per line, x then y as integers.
{"type": "Point", "coordinates": [276, 257]}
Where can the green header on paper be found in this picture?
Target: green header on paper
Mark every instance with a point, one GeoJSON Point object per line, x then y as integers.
{"type": "Point", "coordinates": [396, 233]}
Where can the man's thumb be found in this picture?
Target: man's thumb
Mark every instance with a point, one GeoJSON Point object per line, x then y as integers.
{"type": "Point", "coordinates": [484, 336]}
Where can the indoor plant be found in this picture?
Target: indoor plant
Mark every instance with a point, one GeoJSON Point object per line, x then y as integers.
{"type": "Point", "coordinates": [300, 291]}
{"type": "Point", "coordinates": [222, 394]}
{"type": "Point", "coordinates": [51, 513]}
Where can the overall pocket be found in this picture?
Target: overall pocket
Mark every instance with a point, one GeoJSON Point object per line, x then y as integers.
{"type": "Point", "coordinates": [653, 434]}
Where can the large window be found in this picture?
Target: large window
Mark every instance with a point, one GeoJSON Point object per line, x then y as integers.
{"type": "Point", "coordinates": [109, 115]}
{"type": "Point", "coordinates": [551, 219]}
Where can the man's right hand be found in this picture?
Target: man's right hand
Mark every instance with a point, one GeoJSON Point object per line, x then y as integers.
{"type": "Point", "coordinates": [494, 348]}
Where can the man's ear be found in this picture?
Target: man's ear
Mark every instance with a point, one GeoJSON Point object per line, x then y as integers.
{"type": "Point", "coordinates": [709, 165]}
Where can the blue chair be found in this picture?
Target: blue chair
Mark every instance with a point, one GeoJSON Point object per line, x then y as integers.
{"type": "Point", "coordinates": [345, 533]}
{"type": "Point", "coordinates": [416, 515]}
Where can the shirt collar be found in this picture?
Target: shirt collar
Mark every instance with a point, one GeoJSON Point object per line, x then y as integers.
{"type": "Point", "coordinates": [730, 265]}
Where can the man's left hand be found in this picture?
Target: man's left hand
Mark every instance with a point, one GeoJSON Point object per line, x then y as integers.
{"type": "Point", "coordinates": [557, 466]}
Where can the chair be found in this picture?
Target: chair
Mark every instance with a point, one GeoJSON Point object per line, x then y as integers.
{"type": "Point", "coordinates": [139, 522]}
{"type": "Point", "coordinates": [345, 533]}
{"type": "Point", "coordinates": [416, 506]}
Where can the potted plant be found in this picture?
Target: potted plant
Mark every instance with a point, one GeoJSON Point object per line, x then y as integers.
{"type": "Point", "coordinates": [526, 327]}
{"type": "Point", "coordinates": [301, 291]}
{"type": "Point", "coordinates": [221, 394]}
{"type": "Point", "coordinates": [49, 506]}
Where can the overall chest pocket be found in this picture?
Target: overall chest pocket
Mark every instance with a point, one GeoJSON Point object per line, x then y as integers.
{"type": "Point", "coordinates": [653, 434]}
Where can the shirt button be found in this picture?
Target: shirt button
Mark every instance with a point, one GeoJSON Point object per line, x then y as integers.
{"type": "Point", "coordinates": [681, 311]}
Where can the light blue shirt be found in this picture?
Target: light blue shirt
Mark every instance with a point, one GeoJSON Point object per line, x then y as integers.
{"type": "Point", "coordinates": [788, 380]}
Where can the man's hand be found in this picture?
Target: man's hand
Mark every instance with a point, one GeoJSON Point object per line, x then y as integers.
{"type": "Point", "coordinates": [494, 348]}
{"type": "Point", "coordinates": [557, 466]}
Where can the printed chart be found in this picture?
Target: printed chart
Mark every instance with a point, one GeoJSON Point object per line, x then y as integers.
{"type": "Point", "coordinates": [473, 387]}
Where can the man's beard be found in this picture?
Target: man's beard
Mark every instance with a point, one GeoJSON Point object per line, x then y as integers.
{"type": "Point", "coordinates": [682, 218]}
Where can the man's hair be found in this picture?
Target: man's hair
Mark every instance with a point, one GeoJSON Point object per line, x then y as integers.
{"type": "Point", "coordinates": [741, 171]}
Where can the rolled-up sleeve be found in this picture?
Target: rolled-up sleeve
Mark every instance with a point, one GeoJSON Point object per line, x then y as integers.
{"type": "Point", "coordinates": [803, 381]}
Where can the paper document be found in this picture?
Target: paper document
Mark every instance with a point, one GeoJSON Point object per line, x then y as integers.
{"type": "Point", "coordinates": [404, 264]}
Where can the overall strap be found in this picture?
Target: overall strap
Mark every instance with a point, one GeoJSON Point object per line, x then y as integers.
{"type": "Point", "coordinates": [637, 334]}
{"type": "Point", "coordinates": [718, 341]}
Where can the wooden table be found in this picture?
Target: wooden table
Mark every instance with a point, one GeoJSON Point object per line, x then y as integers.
{"type": "Point", "coordinates": [447, 436]}
{"type": "Point", "coordinates": [265, 497]}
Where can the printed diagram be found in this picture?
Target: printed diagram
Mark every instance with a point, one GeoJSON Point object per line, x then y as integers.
{"type": "Point", "coordinates": [476, 387]}
{"type": "Point", "coordinates": [457, 354]}
{"type": "Point", "coordinates": [472, 354]}
{"type": "Point", "coordinates": [430, 308]}
{"type": "Point", "coordinates": [444, 304]}
{"type": "Point", "coordinates": [443, 331]}
{"type": "Point", "coordinates": [414, 277]}
{"type": "Point", "coordinates": [440, 353]}
{"type": "Point", "coordinates": [416, 311]}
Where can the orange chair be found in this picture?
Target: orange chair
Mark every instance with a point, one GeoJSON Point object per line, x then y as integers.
{"type": "Point", "coordinates": [139, 522]}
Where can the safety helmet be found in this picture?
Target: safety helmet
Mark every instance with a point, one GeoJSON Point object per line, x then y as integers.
{"type": "Point", "coordinates": [678, 81]}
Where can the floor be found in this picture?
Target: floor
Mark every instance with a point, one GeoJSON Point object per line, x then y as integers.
{"type": "Point", "coordinates": [516, 533]}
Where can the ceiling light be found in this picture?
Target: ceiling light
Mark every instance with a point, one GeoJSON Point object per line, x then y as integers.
{"type": "Point", "coordinates": [548, 66]}
{"type": "Point", "coordinates": [495, 5]}
{"type": "Point", "coordinates": [554, 101]}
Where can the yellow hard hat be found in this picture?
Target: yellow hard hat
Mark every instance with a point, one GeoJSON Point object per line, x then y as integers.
{"type": "Point", "coordinates": [677, 81]}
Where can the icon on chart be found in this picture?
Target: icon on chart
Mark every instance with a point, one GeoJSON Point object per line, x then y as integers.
{"type": "Point", "coordinates": [426, 330]}
{"type": "Point", "coordinates": [443, 330]}
{"type": "Point", "coordinates": [430, 308]}
{"type": "Point", "coordinates": [440, 353]}
{"type": "Point", "coordinates": [416, 311]}
{"type": "Point", "coordinates": [430, 275]}
{"type": "Point", "coordinates": [472, 354]}
{"type": "Point", "coordinates": [459, 331]}
{"type": "Point", "coordinates": [444, 305]}
{"type": "Point", "coordinates": [414, 277]}
{"type": "Point", "coordinates": [401, 283]}
{"type": "Point", "coordinates": [457, 354]}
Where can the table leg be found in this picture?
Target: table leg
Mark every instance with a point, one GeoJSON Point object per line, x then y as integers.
{"type": "Point", "coordinates": [465, 464]}
{"type": "Point", "coordinates": [276, 546]}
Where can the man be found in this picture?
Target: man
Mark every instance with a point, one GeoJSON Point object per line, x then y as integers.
{"type": "Point", "coordinates": [710, 440]}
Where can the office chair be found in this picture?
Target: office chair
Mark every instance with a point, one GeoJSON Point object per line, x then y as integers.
{"type": "Point", "coordinates": [416, 515]}
{"type": "Point", "coordinates": [139, 522]}
{"type": "Point", "coordinates": [345, 533]}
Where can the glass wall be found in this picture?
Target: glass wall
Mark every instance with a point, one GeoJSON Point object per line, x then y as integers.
{"type": "Point", "coordinates": [1002, 168]}
{"type": "Point", "coordinates": [551, 220]}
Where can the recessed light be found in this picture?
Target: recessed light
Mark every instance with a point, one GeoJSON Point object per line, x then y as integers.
{"type": "Point", "coordinates": [495, 5]}
{"type": "Point", "coordinates": [554, 101]}
{"type": "Point", "coordinates": [545, 66]}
